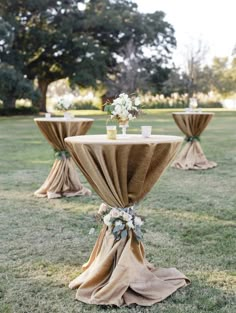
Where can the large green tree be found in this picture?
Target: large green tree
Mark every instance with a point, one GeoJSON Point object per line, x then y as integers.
{"type": "Point", "coordinates": [143, 56]}
{"type": "Point", "coordinates": [181, 82]}
{"type": "Point", "coordinates": [85, 41]}
{"type": "Point", "coordinates": [50, 42]}
{"type": "Point", "coordinates": [13, 84]}
{"type": "Point", "coordinates": [194, 76]}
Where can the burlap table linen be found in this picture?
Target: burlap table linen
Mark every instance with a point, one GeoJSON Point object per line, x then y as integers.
{"type": "Point", "coordinates": [122, 172]}
{"type": "Point", "coordinates": [63, 180]}
{"type": "Point", "coordinates": [192, 155]}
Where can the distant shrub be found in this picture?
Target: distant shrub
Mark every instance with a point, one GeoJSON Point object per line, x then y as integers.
{"type": "Point", "coordinates": [21, 110]}
{"type": "Point", "coordinates": [177, 101]}
{"type": "Point", "coordinates": [84, 106]}
{"type": "Point", "coordinates": [212, 104]}
{"type": "Point", "coordinates": [179, 105]}
{"type": "Point", "coordinates": [163, 105]}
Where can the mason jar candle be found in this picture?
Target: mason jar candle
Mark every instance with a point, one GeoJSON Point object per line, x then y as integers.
{"type": "Point", "coordinates": [111, 132]}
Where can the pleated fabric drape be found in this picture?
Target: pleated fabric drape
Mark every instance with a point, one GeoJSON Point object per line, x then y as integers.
{"type": "Point", "coordinates": [117, 272]}
{"type": "Point", "coordinates": [192, 155]}
{"type": "Point", "coordinates": [63, 180]}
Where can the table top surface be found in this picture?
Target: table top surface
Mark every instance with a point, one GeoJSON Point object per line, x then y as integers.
{"type": "Point", "coordinates": [63, 119]}
{"type": "Point", "coordinates": [193, 113]}
{"type": "Point", "coordinates": [129, 139]}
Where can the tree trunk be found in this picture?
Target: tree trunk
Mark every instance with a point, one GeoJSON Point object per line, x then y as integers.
{"type": "Point", "coordinates": [190, 88]}
{"type": "Point", "coordinates": [43, 87]}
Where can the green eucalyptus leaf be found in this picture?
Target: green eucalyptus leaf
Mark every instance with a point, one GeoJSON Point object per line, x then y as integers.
{"type": "Point", "coordinates": [116, 229]}
{"type": "Point", "coordinates": [122, 226]}
{"type": "Point", "coordinates": [124, 233]}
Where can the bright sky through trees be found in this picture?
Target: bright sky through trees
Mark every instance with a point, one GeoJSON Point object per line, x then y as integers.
{"type": "Point", "coordinates": [211, 21]}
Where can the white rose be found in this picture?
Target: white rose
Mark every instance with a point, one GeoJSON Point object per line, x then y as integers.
{"type": "Point", "coordinates": [130, 224]}
{"type": "Point", "coordinates": [118, 223]}
{"type": "Point", "coordinates": [138, 221]}
{"type": "Point", "coordinates": [127, 217]}
{"type": "Point", "coordinates": [115, 213]}
{"type": "Point", "coordinates": [106, 220]}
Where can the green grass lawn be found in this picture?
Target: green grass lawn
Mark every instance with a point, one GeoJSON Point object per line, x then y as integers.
{"type": "Point", "coordinates": [189, 221]}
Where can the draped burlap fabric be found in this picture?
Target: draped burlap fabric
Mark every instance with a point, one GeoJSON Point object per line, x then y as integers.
{"type": "Point", "coordinates": [63, 179]}
{"type": "Point", "coordinates": [117, 272]}
{"type": "Point", "coordinates": [192, 155]}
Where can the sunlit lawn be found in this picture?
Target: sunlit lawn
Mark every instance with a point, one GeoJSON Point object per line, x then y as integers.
{"type": "Point", "coordinates": [190, 223]}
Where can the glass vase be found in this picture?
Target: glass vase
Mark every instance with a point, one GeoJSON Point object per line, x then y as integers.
{"type": "Point", "coordinates": [124, 125]}
{"type": "Point", "coordinates": [67, 115]}
{"type": "Point", "coordinates": [193, 103]}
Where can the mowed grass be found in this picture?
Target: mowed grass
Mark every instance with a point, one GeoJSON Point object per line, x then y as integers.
{"type": "Point", "coordinates": [189, 222]}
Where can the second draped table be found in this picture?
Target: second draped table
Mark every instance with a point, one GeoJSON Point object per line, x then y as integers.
{"type": "Point", "coordinates": [192, 124]}
{"type": "Point", "coordinates": [122, 172]}
{"type": "Point", "coordinates": [63, 179]}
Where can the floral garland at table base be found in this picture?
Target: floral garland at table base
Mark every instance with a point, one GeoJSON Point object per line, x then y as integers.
{"type": "Point", "coordinates": [120, 221]}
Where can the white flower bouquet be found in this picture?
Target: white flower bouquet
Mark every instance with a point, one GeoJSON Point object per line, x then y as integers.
{"type": "Point", "coordinates": [123, 108]}
{"type": "Point", "coordinates": [64, 102]}
{"type": "Point", "coordinates": [193, 103]}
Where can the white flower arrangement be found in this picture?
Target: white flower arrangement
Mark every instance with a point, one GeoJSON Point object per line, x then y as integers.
{"type": "Point", "coordinates": [193, 103]}
{"type": "Point", "coordinates": [120, 221]}
{"type": "Point", "coordinates": [123, 108]}
{"type": "Point", "coordinates": [64, 102]}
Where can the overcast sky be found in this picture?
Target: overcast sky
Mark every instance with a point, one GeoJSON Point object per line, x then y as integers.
{"type": "Point", "coordinates": [214, 21]}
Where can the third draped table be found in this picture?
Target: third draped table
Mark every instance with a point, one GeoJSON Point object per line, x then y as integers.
{"type": "Point", "coordinates": [192, 124]}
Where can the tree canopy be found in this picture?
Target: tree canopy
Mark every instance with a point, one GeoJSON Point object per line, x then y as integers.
{"type": "Point", "coordinates": [86, 41]}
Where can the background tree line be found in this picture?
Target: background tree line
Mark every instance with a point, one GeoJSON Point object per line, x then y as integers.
{"type": "Point", "coordinates": [95, 43]}
{"type": "Point", "coordinates": [90, 42]}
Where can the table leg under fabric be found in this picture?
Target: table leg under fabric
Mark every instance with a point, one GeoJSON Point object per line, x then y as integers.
{"type": "Point", "coordinates": [192, 157]}
{"type": "Point", "coordinates": [122, 173]}
{"type": "Point", "coordinates": [117, 273]}
{"type": "Point", "coordinates": [63, 180]}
